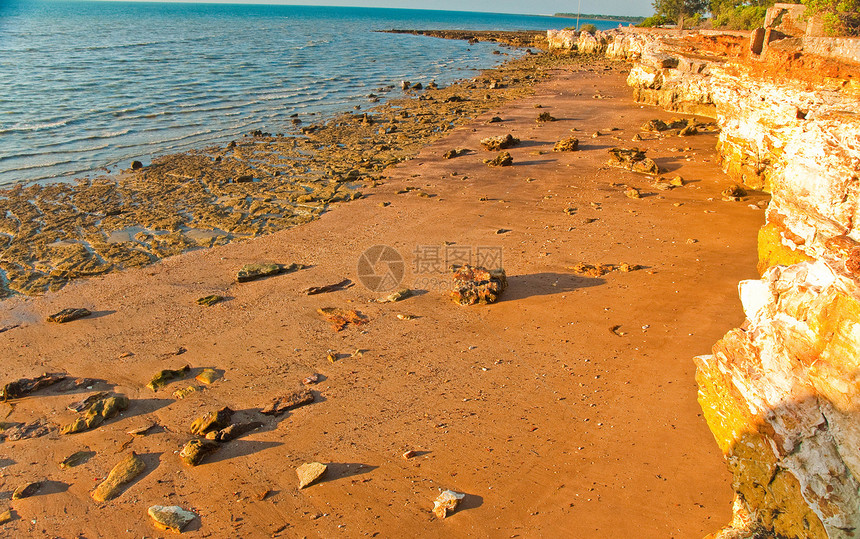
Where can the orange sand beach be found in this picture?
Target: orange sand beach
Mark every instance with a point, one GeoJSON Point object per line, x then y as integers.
{"type": "Point", "coordinates": [567, 409]}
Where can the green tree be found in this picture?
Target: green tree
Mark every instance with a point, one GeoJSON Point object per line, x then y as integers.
{"type": "Point", "coordinates": [679, 10]}
{"type": "Point", "coordinates": [841, 17]}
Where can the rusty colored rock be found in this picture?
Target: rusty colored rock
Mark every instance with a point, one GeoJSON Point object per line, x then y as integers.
{"type": "Point", "coordinates": [501, 142]}
{"type": "Point", "coordinates": [279, 405]}
{"type": "Point", "coordinates": [473, 285]}
{"type": "Point", "coordinates": [68, 315]}
{"type": "Point", "coordinates": [123, 473]}
{"type": "Point", "coordinates": [341, 318]}
{"type": "Point", "coordinates": [632, 159]}
{"type": "Point", "coordinates": [544, 117]}
{"type": "Point", "coordinates": [504, 159]}
{"type": "Point", "coordinates": [569, 144]}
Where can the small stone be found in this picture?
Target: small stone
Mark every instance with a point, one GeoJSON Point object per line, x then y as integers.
{"type": "Point", "coordinates": [457, 152]}
{"type": "Point", "coordinates": [208, 301]}
{"type": "Point", "coordinates": [409, 454]}
{"type": "Point", "coordinates": [251, 272]}
{"type": "Point", "coordinates": [6, 516]}
{"type": "Point", "coordinates": [632, 192]}
{"type": "Point", "coordinates": [208, 376]}
{"type": "Point", "coordinates": [165, 376]}
{"type": "Point", "coordinates": [212, 420]}
{"type": "Point", "coordinates": [68, 315]}
{"type": "Point", "coordinates": [504, 159]}
{"type": "Point", "coordinates": [473, 285]}
{"type": "Point", "coordinates": [233, 431]}
{"type": "Point", "coordinates": [136, 165]}
{"type": "Point", "coordinates": [312, 379]}
{"type": "Point", "coordinates": [194, 451]}
{"type": "Point", "coordinates": [124, 472]}
{"type": "Point", "coordinates": [310, 472]}
{"type": "Point", "coordinates": [297, 398]}
{"type": "Point", "coordinates": [26, 490]}
{"type": "Point", "coordinates": [545, 117]}
{"type": "Point", "coordinates": [447, 502]}
{"type": "Point", "coordinates": [171, 518]}
{"type": "Point", "coordinates": [677, 181]}
{"type": "Point", "coordinates": [76, 459]}
{"type": "Point", "coordinates": [401, 294]}
{"type": "Point", "coordinates": [141, 431]}
{"type": "Point", "coordinates": [180, 394]}
{"type": "Point", "coordinates": [402, 316]}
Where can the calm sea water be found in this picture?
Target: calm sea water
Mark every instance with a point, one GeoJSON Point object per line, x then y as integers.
{"type": "Point", "coordinates": [85, 85]}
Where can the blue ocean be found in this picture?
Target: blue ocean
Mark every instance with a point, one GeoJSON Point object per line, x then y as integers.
{"type": "Point", "coordinates": [87, 86]}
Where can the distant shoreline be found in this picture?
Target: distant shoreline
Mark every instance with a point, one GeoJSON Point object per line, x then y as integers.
{"type": "Point", "coordinates": [592, 17]}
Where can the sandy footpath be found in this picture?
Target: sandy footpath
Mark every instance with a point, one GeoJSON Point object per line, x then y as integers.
{"type": "Point", "coordinates": [553, 424]}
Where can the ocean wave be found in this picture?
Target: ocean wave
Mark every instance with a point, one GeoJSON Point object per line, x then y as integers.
{"type": "Point", "coordinates": [26, 128]}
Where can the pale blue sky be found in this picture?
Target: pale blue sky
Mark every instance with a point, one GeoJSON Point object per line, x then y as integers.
{"type": "Point", "coordinates": [534, 7]}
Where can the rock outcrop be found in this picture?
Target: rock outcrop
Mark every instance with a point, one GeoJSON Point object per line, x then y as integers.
{"type": "Point", "coordinates": [781, 394]}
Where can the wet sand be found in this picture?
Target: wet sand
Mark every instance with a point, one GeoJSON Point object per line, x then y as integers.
{"type": "Point", "coordinates": [568, 409]}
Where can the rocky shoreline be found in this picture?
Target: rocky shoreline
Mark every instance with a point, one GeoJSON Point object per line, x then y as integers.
{"type": "Point", "coordinates": [51, 234]}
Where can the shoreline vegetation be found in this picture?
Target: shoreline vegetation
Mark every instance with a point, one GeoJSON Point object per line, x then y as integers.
{"type": "Point", "coordinates": [593, 17]}
{"type": "Point", "coordinates": [51, 234]}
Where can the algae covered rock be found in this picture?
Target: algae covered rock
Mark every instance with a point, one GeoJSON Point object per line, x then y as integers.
{"type": "Point", "coordinates": [68, 315]}
{"type": "Point", "coordinates": [213, 420]}
{"type": "Point", "coordinates": [208, 376]}
{"type": "Point", "coordinates": [165, 376]}
{"type": "Point", "coordinates": [208, 301]}
{"type": "Point", "coordinates": [24, 386]}
{"type": "Point", "coordinates": [194, 451]}
{"type": "Point", "coordinates": [473, 285]}
{"type": "Point", "coordinates": [76, 459]}
{"type": "Point", "coordinates": [258, 270]}
{"type": "Point", "coordinates": [310, 472]}
{"type": "Point", "coordinates": [123, 473]}
{"type": "Point", "coordinates": [171, 518]}
{"type": "Point", "coordinates": [231, 432]}
{"type": "Point", "coordinates": [26, 490]}
{"type": "Point", "coordinates": [99, 412]}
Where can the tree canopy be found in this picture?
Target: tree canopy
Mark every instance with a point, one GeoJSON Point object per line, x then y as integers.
{"type": "Point", "coordinates": [679, 10]}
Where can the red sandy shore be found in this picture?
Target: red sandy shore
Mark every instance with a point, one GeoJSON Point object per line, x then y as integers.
{"type": "Point", "coordinates": [552, 424]}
